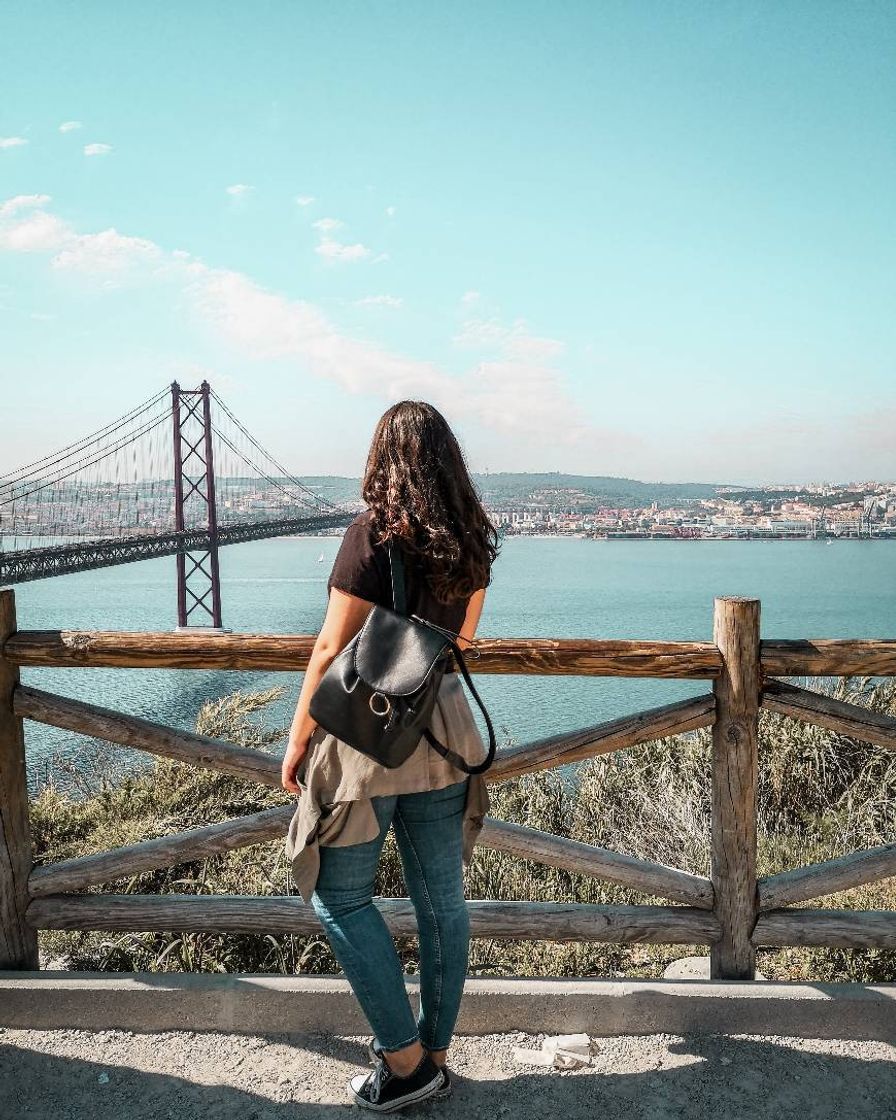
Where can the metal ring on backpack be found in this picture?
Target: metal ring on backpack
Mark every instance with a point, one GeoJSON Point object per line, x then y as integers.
{"type": "Point", "coordinates": [388, 704]}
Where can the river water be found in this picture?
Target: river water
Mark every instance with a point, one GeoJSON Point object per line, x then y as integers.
{"type": "Point", "coordinates": [542, 587]}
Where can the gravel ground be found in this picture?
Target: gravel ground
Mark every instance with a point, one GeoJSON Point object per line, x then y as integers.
{"type": "Point", "coordinates": [188, 1075]}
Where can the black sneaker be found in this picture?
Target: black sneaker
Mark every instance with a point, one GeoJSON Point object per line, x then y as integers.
{"type": "Point", "coordinates": [374, 1053]}
{"type": "Point", "coordinates": [384, 1091]}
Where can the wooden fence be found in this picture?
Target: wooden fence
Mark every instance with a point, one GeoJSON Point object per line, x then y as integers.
{"type": "Point", "coordinates": [731, 911]}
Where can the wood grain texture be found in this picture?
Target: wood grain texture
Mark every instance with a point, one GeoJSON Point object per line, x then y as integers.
{"type": "Point", "coordinates": [290, 653]}
{"type": "Point", "coordinates": [601, 738]}
{"type": "Point", "coordinates": [825, 711]}
{"type": "Point", "coordinates": [587, 859]}
{"type": "Point", "coordinates": [18, 941]}
{"type": "Point", "coordinates": [530, 921]}
{"type": "Point", "coordinates": [164, 851]}
{"type": "Point", "coordinates": [845, 929]}
{"type": "Point", "coordinates": [254, 765]}
{"type": "Point", "coordinates": [829, 657]}
{"type": "Point", "coordinates": [142, 734]}
{"type": "Point", "coordinates": [735, 736]}
{"type": "Point", "coordinates": [818, 879]}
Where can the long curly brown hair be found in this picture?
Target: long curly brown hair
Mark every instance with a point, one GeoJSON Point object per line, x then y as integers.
{"type": "Point", "coordinates": [419, 491]}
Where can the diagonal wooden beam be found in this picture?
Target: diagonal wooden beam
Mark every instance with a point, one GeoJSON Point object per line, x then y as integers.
{"type": "Point", "coordinates": [529, 921]}
{"type": "Point", "coordinates": [165, 851]}
{"type": "Point", "coordinates": [828, 877]}
{"type": "Point", "coordinates": [601, 738]}
{"type": "Point", "coordinates": [143, 735]}
{"type": "Point", "coordinates": [587, 859]}
{"type": "Point", "coordinates": [825, 711]}
{"type": "Point", "coordinates": [254, 765]}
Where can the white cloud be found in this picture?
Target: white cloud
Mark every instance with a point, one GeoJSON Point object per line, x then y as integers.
{"type": "Point", "coordinates": [336, 251]}
{"type": "Point", "coordinates": [469, 297]}
{"type": "Point", "coordinates": [327, 225]}
{"type": "Point", "coordinates": [514, 341]}
{"type": "Point", "coordinates": [97, 149]}
{"type": "Point", "coordinates": [23, 202]}
{"type": "Point", "coordinates": [390, 211]}
{"type": "Point", "coordinates": [239, 189]}
{"type": "Point", "coordinates": [516, 392]}
{"type": "Point", "coordinates": [40, 232]}
{"type": "Point", "coordinates": [70, 126]}
{"type": "Point", "coordinates": [380, 301]}
{"type": "Point", "coordinates": [36, 233]}
{"type": "Point", "coordinates": [305, 199]}
{"type": "Point", "coordinates": [12, 141]}
{"type": "Point", "coordinates": [108, 251]}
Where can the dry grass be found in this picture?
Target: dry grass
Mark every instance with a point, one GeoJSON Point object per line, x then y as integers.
{"type": "Point", "coordinates": [820, 795]}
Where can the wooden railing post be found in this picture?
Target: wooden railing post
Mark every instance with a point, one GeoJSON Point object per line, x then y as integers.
{"type": "Point", "coordinates": [18, 940]}
{"type": "Point", "coordinates": [735, 735]}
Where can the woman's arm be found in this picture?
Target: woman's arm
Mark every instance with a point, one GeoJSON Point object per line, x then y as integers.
{"type": "Point", "coordinates": [471, 619]}
{"type": "Point", "coordinates": [344, 618]}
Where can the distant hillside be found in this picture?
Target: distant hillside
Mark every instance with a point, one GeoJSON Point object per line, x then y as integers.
{"type": "Point", "coordinates": [550, 486]}
{"type": "Point", "coordinates": [512, 487]}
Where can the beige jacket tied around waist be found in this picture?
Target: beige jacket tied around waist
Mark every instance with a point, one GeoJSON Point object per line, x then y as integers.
{"type": "Point", "coordinates": [337, 783]}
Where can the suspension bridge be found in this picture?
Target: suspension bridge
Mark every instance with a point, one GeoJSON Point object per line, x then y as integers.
{"type": "Point", "coordinates": [177, 475]}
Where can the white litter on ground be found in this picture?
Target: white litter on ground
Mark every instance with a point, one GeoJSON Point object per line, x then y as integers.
{"type": "Point", "coordinates": [562, 1051]}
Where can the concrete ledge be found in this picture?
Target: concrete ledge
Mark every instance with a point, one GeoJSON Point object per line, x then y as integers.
{"type": "Point", "coordinates": [256, 1004]}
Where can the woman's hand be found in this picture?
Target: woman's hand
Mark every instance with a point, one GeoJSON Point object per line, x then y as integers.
{"type": "Point", "coordinates": [344, 618]}
{"type": "Point", "coordinates": [295, 753]}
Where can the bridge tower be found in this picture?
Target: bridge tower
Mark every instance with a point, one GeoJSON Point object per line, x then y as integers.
{"type": "Point", "coordinates": [198, 581]}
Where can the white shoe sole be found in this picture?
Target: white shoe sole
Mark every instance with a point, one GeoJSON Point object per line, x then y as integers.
{"type": "Point", "coordinates": [419, 1095]}
{"type": "Point", "coordinates": [441, 1094]}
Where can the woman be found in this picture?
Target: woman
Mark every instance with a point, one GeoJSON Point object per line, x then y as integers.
{"type": "Point", "coordinates": [421, 497]}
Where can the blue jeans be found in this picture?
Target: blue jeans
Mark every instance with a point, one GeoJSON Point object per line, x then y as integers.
{"type": "Point", "coordinates": [430, 841]}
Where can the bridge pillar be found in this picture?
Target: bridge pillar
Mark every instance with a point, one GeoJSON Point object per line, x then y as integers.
{"type": "Point", "coordinates": [198, 580]}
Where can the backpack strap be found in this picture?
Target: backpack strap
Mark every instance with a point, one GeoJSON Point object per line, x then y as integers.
{"type": "Point", "coordinates": [396, 571]}
{"type": "Point", "coordinates": [446, 752]}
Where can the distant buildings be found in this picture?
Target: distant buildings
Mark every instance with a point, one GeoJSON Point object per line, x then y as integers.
{"type": "Point", "coordinates": [811, 512]}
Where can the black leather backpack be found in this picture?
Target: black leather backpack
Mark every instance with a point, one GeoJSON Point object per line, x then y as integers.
{"type": "Point", "coordinates": [378, 693]}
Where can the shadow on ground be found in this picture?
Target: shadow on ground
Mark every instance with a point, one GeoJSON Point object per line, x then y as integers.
{"type": "Point", "coordinates": [712, 1077]}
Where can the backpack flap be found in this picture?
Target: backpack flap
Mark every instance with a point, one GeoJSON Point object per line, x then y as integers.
{"type": "Point", "coordinates": [394, 654]}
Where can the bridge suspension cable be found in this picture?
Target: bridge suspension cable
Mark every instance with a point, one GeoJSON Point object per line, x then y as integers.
{"type": "Point", "coordinates": [50, 460]}
{"type": "Point", "coordinates": [293, 481]}
{"type": "Point", "coordinates": [128, 491]}
{"type": "Point", "coordinates": [88, 461]}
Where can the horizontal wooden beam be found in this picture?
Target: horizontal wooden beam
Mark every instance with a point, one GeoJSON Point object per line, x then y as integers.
{"type": "Point", "coordinates": [143, 735]}
{"type": "Point", "coordinates": [290, 653]}
{"type": "Point", "coordinates": [601, 738]}
{"type": "Point", "coordinates": [529, 921]}
{"type": "Point", "coordinates": [828, 877]}
{"type": "Point", "coordinates": [165, 851]}
{"type": "Point", "coordinates": [587, 859]}
{"type": "Point", "coordinates": [844, 929]}
{"type": "Point", "coordinates": [829, 657]}
{"type": "Point", "coordinates": [835, 715]}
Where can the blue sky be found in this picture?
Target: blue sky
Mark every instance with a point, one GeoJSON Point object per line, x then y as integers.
{"type": "Point", "coordinates": [635, 238]}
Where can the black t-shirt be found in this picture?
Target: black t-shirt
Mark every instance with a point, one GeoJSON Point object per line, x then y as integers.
{"type": "Point", "coordinates": [361, 568]}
